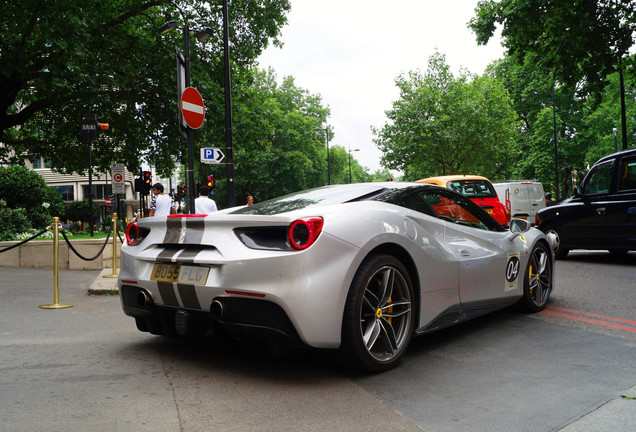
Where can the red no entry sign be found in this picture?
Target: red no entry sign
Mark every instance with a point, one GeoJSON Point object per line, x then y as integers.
{"type": "Point", "coordinates": [192, 108]}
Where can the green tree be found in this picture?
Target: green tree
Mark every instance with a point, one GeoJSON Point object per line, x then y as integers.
{"type": "Point", "coordinates": [278, 150]}
{"type": "Point", "coordinates": [577, 43]}
{"type": "Point", "coordinates": [62, 59]}
{"type": "Point", "coordinates": [23, 188]}
{"type": "Point", "coordinates": [446, 125]}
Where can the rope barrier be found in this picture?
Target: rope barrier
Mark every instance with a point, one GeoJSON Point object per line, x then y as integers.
{"type": "Point", "coordinates": [80, 255]}
{"type": "Point", "coordinates": [27, 240]}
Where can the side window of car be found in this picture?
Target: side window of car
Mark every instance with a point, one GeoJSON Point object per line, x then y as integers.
{"type": "Point", "coordinates": [627, 174]}
{"type": "Point", "coordinates": [599, 179]}
{"type": "Point", "coordinates": [417, 201]}
{"type": "Point", "coordinates": [459, 210]}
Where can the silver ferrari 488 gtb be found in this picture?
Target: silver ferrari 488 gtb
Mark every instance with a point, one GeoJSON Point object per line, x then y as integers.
{"type": "Point", "coordinates": [361, 268]}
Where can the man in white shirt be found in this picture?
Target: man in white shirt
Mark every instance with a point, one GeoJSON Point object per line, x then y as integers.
{"type": "Point", "coordinates": [204, 204]}
{"type": "Point", "coordinates": [161, 204]}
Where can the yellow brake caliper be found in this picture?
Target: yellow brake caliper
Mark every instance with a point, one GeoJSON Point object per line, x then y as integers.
{"type": "Point", "coordinates": [530, 278]}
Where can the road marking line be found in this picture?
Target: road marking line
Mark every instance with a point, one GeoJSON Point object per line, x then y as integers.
{"type": "Point", "coordinates": [622, 320]}
{"type": "Point", "coordinates": [589, 320]}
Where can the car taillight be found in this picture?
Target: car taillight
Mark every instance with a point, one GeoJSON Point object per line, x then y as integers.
{"type": "Point", "coordinates": [304, 232]}
{"type": "Point", "coordinates": [135, 234]}
{"type": "Point", "coordinates": [507, 207]}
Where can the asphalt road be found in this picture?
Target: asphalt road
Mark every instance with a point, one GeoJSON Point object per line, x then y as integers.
{"type": "Point", "coordinates": [87, 368]}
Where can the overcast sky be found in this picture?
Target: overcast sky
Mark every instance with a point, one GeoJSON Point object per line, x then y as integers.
{"type": "Point", "coordinates": [350, 52]}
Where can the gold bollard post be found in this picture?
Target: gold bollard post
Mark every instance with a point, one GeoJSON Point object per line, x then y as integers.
{"type": "Point", "coordinates": [114, 275]}
{"type": "Point", "coordinates": [56, 270]}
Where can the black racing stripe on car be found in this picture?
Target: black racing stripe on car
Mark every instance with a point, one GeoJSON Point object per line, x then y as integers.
{"type": "Point", "coordinates": [168, 296]}
{"type": "Point", "coordinates": [188, 296]}
{"type": "Point", "coordinates": [189, 255]}
{"type": "Point", "coordinates": [195, 230]}
{"type": "Point", "coordinates": [173, 230]}
{"type": "Point", "coordinates": [167, 254]}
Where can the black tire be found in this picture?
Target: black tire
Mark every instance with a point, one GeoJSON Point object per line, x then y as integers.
{"type": "Point", "coordinates": [538, 279]}
{"type": "Point", "coordinates": [560, 252]}
{"type": "Point", "coordinates": [378, 318]}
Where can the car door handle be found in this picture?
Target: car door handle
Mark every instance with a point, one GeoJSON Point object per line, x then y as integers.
{"type": "Point", "coordinates": [600, 210]}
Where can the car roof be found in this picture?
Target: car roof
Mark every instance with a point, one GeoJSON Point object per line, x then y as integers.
{"type": "Point", "coordinates": [445, 179]}
{"type": "Point", "coordinates": [627, 152]}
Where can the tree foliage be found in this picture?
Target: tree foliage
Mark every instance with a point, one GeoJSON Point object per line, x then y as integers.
{"type": "Point", "coordinates": [580, 43]}
{"type": "Point", "coordinates": [277, 149]}
{"type": "Point", "coordinates": [23, 188]}
{"type": "Point", "coordinates": [446, 125]}
{"type": "Point", "coordinates": [63, 59]}
{"type": "Point", "coordinates": [585, 125]}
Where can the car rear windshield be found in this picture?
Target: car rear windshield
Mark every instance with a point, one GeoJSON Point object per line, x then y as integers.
{"type": "Point", "coordinates": [473, 188]}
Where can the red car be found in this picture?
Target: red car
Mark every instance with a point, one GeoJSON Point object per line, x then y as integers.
{"type": "Point", "coordinates": [476, 188]}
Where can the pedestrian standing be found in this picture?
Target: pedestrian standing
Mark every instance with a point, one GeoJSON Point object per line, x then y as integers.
{"type": "Point", "coordinates": [204, 204]}
{"type": "Point", "coordinates": [161, 204]}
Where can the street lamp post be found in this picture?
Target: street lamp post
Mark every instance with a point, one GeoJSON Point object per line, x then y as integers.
{"type": "Point", "coordinates": [354, 150]}
{"type": "Point", "coordinates": [201, 35]}
{"type": "Point", "coordinates": [228, 111]}
{"type": "Point", "coordinates": [326, 131]}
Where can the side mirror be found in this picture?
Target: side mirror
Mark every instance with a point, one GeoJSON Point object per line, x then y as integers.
{"type": "Point", "coordinates": [518, 227]}
{"type": "Point", "coordinates": [577, 192]}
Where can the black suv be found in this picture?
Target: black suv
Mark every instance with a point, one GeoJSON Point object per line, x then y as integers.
{"type": "Point", "coordinates": [602, 212]}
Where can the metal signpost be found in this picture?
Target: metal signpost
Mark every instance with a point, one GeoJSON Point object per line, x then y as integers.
{"type": "Point", "coordinates": [118, 174]}
{"type": "Point", "coordinates": [193, 113]}
{"type": "Point", "coordinates": [90, 127]}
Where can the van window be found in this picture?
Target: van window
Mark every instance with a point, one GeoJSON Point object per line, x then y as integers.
{"type": "Point", "coordinates": [535, 191]}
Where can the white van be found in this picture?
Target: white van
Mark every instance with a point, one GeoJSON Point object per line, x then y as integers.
{"type": "Point", "coordinates": [523, 198]}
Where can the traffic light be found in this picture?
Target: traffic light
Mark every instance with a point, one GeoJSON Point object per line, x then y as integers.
{"type": "Point", "coordinates": [146, 178]}
{"type": "Point", "coordinates": [183, 192]}
{"type": "Point", "coordinates": [210, 182]}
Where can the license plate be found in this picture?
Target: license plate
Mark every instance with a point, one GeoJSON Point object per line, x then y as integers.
{"type": "Point", "coordinates": [179, 273]}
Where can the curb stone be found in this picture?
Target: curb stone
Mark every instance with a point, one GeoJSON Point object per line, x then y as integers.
{"type": "Point", "coordinates": [104, 285]}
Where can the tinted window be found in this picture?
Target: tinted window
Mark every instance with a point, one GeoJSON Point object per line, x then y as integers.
{"type": "Point", "coordinates": [599, 179]}
{"type": "Point", "coordinates": [627, 174]}
{"type": "Point", "coordinates": [457, 209]}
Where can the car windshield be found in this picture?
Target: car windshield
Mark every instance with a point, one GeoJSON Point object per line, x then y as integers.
{"type": "Point", "coordinates": [310, 198]}
{"type": "Point", "coordinates": [473, 188]}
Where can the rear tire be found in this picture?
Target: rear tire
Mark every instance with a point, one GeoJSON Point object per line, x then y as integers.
{"type": "Point", "coordinates": [378, 317]}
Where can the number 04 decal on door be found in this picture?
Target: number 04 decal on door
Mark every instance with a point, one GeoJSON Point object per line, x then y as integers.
{"type": "Point", "coordinates": [512, 271]}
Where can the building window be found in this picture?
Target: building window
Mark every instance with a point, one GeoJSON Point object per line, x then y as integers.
{"type": "Point", "coordinates": [99, 191]}
{"type": "Point", "coordinates": [37, 162]}
{"type": "Point", "coordinates": [66, 192]}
